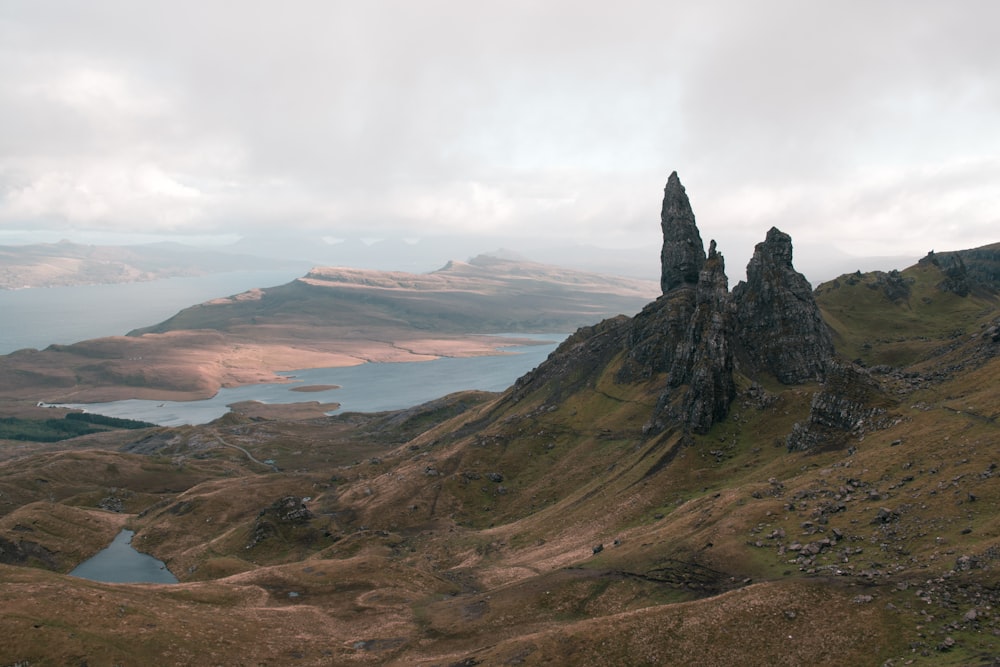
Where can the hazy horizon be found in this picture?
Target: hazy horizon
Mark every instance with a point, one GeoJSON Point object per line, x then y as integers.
{"type": "Point", "coordinates": [859, 129]}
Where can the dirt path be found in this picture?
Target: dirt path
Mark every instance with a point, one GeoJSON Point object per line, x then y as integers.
{"type": "Point", "coordinates": [250, 456]}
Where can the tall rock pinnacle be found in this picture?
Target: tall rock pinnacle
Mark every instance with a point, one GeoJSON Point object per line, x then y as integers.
{"type": "Point", "coordinates": [778, 321]}
{"type": "Point", "coordinates": [704, 358]}
{"type": "Point", "coordinates": [683, 252]}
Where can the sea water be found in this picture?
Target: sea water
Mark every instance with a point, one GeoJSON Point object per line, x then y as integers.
{"type": "Point", "coordinates": [41, 316]}
{"type": "Point", "coordinates": [369, 387]}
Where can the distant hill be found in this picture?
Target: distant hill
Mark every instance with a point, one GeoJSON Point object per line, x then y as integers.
{"type": "Point", "coordinates": [330, 317]}
{"type": "Point", "coordinates": [485, 295]}
{"type": "Point", "coordinates": [66, 263]}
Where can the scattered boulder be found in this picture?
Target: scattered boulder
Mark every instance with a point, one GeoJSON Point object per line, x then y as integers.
{"type": "Point", "coordinates": [288, 511]}
{"type": "Point", "coordinates": [885, 515]}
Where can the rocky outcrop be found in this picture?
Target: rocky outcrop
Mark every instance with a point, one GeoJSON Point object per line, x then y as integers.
{"type": "Point", "coordinates": [694, 334]}
{"type": "Point", "coordinates": [683, 252]}
{"type": "Point", "coordinates": [895, 287]}
{"type": "Point", "coordinates": [704, 357]}
{"type": "Point", "coordinates": [279, 516]}
{"type": "Point", "coordinates": [696, 330]}
{"type": "Point", "coordinates": [685, 333]}
{"type": "Point", "coordinates": [956, 276]}
{"type": "Point", "coordinates": [653, 335]}
{"type": "Point", "coordinates": [851, 403]}
{"type": "Point", "coordinates": [778, 322]}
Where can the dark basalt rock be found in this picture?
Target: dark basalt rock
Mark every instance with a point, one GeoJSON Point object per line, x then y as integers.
{"type": "Point", "coordinates": [652, 336]}
{"type": "Point", "coordinates": [289, 509]}
{"type": "Point", "coordinates": [693, 334]}
{"type": "Point", "coordinates": [704, 358]}
{"type": "Point", "coordinates": [576, 362]}
{"type": "Point", "coordinates": [956, 278]}
{"type": "Point", "coordinates": [683, 252]}
{"type": "Point", "coordinates": [667, 337]}
{"type": "Point", "coordinates": [893, 285]}
{"type": "Point", "coordinates": [279, 515]}
{"type": "Point", "coordinates": [777, 320]}
{"type": "Point", "coordinates": [851, 402]}
{"type": "Point", "coordinates": [25, 552]}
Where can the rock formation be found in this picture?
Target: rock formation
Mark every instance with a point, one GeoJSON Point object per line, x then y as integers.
{"type": "Point", "coordinates": [850, 403]}
{"type": "Point", "coordinates": [777, 320]}
{"type": "Point", "coordinates": [683, 252]}
{"type": "Point", "coordinates": [956, 276]}
{"type": "Point", "coordinates": [704, 358]}
{"type": "Point", "coordinates": [697, 335]}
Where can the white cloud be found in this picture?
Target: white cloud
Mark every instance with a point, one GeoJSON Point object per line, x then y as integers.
{"type": "Point", "coordinates": [852, 124]}
{"type": "Point", "coordinates": [107, 196]}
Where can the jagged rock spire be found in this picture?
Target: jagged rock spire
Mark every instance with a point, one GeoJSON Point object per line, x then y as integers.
{"type": "Point", "coordinates": [683, 252]}
{"type": "Point", "coordinates": [778, 320]}
{"type": "Point", "coordinates": [704, 358]}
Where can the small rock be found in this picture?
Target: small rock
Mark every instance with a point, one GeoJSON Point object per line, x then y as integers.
{"type": "Point", "coordinates": [947, 644]}
{"type": "Point", "coordinates": [885, 515]}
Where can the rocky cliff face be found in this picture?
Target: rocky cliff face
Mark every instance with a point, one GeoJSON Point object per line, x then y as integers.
{"type": "Point", "coordinates": [704, 356]}
{"type": "Point", "coordinates": [778, 322]}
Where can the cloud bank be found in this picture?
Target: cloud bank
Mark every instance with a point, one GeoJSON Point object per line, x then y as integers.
{"type": "Point", "coordinates": [865, 128]}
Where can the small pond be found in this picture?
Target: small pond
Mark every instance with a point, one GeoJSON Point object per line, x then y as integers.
{"type": "Point", "coordinates": [119, 563]}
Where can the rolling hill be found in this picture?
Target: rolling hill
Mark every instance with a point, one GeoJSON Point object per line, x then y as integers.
{"type": "Point", "coordinates": [330, 317]}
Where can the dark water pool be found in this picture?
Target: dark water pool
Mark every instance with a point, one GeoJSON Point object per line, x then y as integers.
{"type": "Point", "coordinates": [119, 563]}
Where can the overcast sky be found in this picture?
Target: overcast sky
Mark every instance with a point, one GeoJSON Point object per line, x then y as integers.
{"type": "Point", "coordinates": [870, 128]}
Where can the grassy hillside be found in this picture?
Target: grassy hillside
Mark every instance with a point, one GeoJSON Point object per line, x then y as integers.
{"type": "Point", "coordinates": [545, 525]}
{"type": "Point", "coordinates": [897, 318]}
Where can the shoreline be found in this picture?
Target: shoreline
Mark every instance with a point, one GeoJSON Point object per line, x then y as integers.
{"type": "Point", "coordinates": [194, 365]}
